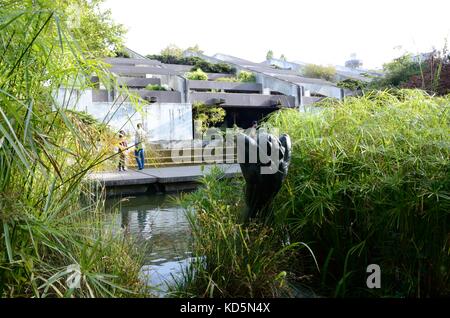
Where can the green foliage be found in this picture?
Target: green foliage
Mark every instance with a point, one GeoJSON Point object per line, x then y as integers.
{"type": "Point", "coordinates": [245, 76]}
{"type": "Point", "coordinates": [172, 50]}
{"type": "Point", "coordinates": [232, 260]}
{"type": "Point", "coordinates": [94, 28]}
{"type": "Point", "coordinates": [197, 75]}
{"type": "Point", "coordinates": [213, 68]}
{"type": "Point", "coordinates": [122, 53]}
{"type": "Point", "coordinates": [195, 49]}
{"type": "Point", "coordinates": [352, 84]}
{"type": "Point", "coordinates": [319, 71]}
{"type": "Point", "coordinates": [283, 58]}
{"type": "Point", "coordinates": [269, 55]}
{"type": "Point", "coordinates": [155, 87]}
{"type": "Point", "coordinates": [398, 71]}
{"type": "Point", "coordinates": [47, 232]}
{"type": "Point", "coordinates": [196, 62]}
{"type": "Point", "coordinates": [208, 115]}
{"type": "Point", "coordinates": [369, 182]}
{"type": "Point", "coordinates": [227, 79]}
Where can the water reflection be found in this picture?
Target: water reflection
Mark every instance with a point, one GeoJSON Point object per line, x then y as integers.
{"type": "Point", "coordinates": [159, 221]}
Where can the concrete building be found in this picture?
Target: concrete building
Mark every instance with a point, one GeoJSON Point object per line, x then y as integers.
{"type": "Point", "coordinates": [165, 108]}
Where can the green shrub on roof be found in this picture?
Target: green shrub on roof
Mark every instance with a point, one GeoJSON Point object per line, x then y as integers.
{"type": "Point", "coordinates": [197, 75]}
{"type": "Point", "coordinates": [245, 76]}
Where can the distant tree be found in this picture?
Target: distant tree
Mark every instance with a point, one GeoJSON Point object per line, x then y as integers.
{"type": "Point", "coordinates": [432, 73]}
{"type": "Point", "coordinates": [100, 35]}
{"type": "Point", "coordinates": [195, 49]}
{"type": "Point", "coordinates": [283, 58]}
{"type": "Point", "coordinates": [398, 71]}
{"type": "Point", "coordinates": [319, 71]}
{"type": "Point", "coordinates": [269, 55]}
{"type": "Point", "coordinates": [172, 50]}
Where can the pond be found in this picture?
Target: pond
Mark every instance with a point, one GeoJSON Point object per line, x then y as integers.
{"type": "Point", "coordinates": [158, 220]}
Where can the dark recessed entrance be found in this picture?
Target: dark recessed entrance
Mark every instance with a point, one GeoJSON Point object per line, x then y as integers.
{"type": "Point", "coordinates": [244, 116]}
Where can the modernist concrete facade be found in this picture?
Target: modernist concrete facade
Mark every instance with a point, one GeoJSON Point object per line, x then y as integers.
{"type": "Point", "coordinates": [167, 114]}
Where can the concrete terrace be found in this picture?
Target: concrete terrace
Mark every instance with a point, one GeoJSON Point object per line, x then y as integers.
{"type": "Point", "coordinates": [166, 179]}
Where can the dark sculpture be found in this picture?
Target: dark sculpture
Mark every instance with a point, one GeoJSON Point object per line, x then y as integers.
{"type": "Point", "coordinates": [261, 188]}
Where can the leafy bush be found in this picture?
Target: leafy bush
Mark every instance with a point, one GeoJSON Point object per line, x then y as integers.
{"type": "Point", "coordinates": [319, 71]}
{"type": "Point", "coordinates": [208, 115]}
{"type": "Point", "coordinates": [397, 72]}
{"type": "Point", "coordinates": [197, 75]}
{"type": "Point", "coordinates": [196, 62]}
{"type": "Point", "coordinates": [172, 50]}
{"type": "Point", "coordinates": [352, 84]}
{"type": "Point", "coordinates": [434, 76]}
{"type": "Point", "coordinates": [431, 74]}
{"type": "Point", "coordinates": [245, 76]}
{"type": "Point", "coordinates": [155, 87]}
{"type": "Point", "coordinates": [369, 183]}
{"type": "Point", "coordinates": [213, 68]}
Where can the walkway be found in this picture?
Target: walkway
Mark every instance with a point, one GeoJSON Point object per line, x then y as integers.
{"type": "Point", "coordinates": [164, 175]}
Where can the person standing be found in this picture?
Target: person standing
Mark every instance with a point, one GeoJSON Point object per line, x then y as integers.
{"type": "Point", "coordinates": [122, 149]}
{"type": "Point", "coordinates": [253, 128]}
{"type": "Point", "coordinates": [139, 143]}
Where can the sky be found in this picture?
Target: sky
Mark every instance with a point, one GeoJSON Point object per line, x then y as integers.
{"type": "Point", "coordinates": [315, 31]}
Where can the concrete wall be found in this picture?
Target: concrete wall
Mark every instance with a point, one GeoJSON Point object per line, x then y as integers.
{"type": "Point", "coordinates": [71, 98]}
{"type": "Point", "coordinates": [162, 121]}
{"type": "Point", "coordinates": [243, 100]}
{"type": "Point", "coordinates": [236, 86]}
{"type": "Point", "coordinates": [168, 121]}
{"type": "Point", "coordinates": [138, 81]}
{"type": "Point", "coordinates": [267, 81]}
{"type": "Point", "coordinates": [177, 83]}
{"type": "Point", "coordinates": [329, 91]}
{"type": "Point", "coordinates": [214, 76]}
{"type": "Point", "coordinates": [161, 96]}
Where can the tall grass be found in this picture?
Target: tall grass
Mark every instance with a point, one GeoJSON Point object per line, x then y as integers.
{"type": "Point", "coordinates": [232, 259]}
{"type": "Point", "coordinates": [369, 183]}
{"type": "Point", "coordinates": [48, 238]}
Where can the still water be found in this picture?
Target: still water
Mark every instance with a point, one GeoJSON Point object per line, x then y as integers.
{"type": "Point", "coordinates": [161, 223]}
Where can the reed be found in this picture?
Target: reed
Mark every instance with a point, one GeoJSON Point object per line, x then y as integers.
{"type": "Point", "coordinates": [370, 183]}
{"type": "Point", "coordinates": [232, 259]}
{"type": "Point", "coordinates": [48, 236]}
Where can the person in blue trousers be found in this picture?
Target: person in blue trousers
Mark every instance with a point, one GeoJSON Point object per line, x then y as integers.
{"type": "Point", "coordinates": [139, 142]}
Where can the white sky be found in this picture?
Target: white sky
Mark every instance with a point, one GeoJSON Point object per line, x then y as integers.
{"type": "Point", "coordinates": [314, 31]}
